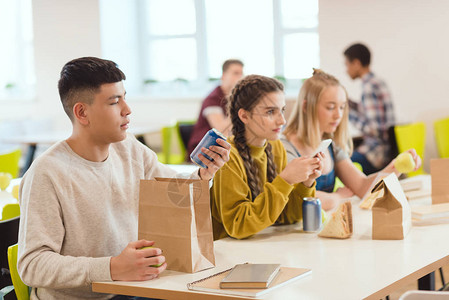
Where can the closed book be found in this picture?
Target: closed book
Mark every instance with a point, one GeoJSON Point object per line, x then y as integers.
{"type": "Point", "coordinates": [211, 284]}
{"type": "Point", "coordinates": [250, 276]}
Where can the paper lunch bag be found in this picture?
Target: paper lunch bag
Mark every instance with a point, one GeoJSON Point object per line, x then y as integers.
{"type": "Point", "coordinates": [440, 186]}
{"type": "Point", "coordinates": [392, 217]}
{"type": "Point", "coordinates": [175, 214]}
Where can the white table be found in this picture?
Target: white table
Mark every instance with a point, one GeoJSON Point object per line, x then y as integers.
{"type": "Point", "coordinates": [355, 268]}
{"type": "Point", "coordinates": [49, 138]}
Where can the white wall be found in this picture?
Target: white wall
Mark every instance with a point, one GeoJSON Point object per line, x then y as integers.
{"type": "Point", "coordinates": [62, 30]}
{"type": "Point", "coordinates": [409, 44]}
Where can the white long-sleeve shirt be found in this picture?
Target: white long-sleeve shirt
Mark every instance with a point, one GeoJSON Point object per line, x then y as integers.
{"type": "Point", "coordinates": [76, 214]}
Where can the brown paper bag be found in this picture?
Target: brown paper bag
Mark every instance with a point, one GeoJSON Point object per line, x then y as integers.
{"type": "Point", "coordinates": [392, 217]}
{"type": "Point", "coordinates": [175, 213]}
{"type": "Point", "coordinates": [440, 183]}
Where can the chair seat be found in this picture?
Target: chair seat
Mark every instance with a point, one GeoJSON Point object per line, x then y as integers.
{"type": "Point", "coordinates": [22, 291]}
{"type": "Point", "coordinates": [9, 162]}
{"type": "Point", "coordinates": [412, 136]}
{"type": "Point", "coordinates": [174, 139]}
{"type": "Point", "coordinates": [441, 128]}
{"type": "Point", "coordinates": [171, 159]}
{"type": "Point", "coordinates": [10, 210]}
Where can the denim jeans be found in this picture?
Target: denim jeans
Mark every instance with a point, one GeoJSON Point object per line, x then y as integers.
{"type": "Point", "coordinates": [368, 168]}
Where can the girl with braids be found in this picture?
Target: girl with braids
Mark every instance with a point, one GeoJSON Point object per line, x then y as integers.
{"type": "Point", "coordinates": [321, 112]}
{"type": "Point", "coordinates": [256, 188]}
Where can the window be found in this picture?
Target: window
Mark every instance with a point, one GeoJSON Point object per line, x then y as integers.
{"type": "Point", "coordinates": [170, 41]}
{"type": "Point", "coordinates": [296, 34]}
{"type": "Point", "coordinates": [181, 44]}
{"type": "Point", "coordinates": [17, 79]}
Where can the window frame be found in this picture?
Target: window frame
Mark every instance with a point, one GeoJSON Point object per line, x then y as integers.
{"type": "Point", "coordinates": [200, 38]}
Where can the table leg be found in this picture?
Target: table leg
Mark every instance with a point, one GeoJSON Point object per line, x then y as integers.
{"type": "Point", "coordinates": [427, 282]}
{"type": "Point", "coordinates": [29, 159]}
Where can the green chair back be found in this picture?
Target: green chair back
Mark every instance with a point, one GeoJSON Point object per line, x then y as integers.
{"type": "Point", "coordinates": [441, 128]}
{"type": "Point", "coordinates": [21, 289]}
{"type": "Point", "coordinates": [9, 162]}
{"type": "Point", "coordinates": [10, 211]}
{"type": "Point", "coordinates": [412, 136]}
{"type": "Point", "coordinates": [173, 148]}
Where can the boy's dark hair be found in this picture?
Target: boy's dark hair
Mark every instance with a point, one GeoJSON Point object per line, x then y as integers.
{"type": "Point", "coordinates": [360, 52]}
{"type": "Point", "coordinates": [230, 62]}
{"type": "Point", "coordinates": [82, 77]}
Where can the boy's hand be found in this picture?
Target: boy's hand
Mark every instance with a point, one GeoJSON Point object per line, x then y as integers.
{"type": "Point", "coordinates": [135, 264]}
{"type": "Point", "coordinates": [219, 154]}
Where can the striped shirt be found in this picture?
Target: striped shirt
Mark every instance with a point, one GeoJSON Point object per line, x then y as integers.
{"type": "Point", "coordinates": [373, 116]}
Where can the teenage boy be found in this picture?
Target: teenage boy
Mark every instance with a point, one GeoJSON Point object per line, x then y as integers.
{"type": "Point", "coordinates": [79, 200]}
{"type": "Point", "coordinates": [373, 115]}
{"type": "Point", "coordinates": [213, 110]}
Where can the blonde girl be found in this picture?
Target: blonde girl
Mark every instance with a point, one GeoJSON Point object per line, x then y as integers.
{"type": "Point", "coordinates": [321, 112]}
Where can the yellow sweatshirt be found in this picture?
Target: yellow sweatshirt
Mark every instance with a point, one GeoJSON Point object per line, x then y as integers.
{"type": "Point", "coordinates": [234, 211]}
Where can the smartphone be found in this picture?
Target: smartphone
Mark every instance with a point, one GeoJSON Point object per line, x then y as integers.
{"type": "Point", "coordinates": [323, 146]}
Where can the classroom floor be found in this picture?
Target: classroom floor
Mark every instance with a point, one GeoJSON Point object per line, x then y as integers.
{"type": "Point", "coordinates": [414, 286]}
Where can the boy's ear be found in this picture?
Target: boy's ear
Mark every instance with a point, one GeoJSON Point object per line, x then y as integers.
{"type": "Point", "coordinates": [243, 115]}
{"type": "Point", "coordinates": [357, 63]}
{"type": "Point", "coordinates": [80, 113]}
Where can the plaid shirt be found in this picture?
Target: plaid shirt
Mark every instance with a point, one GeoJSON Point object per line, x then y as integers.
{"type": "Point", "coordinates": [373, 116]}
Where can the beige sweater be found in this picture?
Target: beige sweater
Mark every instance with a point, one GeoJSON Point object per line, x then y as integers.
{"type": "Point", "coordinates": [77, 214]}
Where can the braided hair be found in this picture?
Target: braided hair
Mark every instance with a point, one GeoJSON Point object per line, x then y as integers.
{"type": "Point", "coordinates": [246, 95]}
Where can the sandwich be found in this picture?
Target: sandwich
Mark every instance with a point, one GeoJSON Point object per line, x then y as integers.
{"type": "Point", "coordinates": [370, 197]}
{"type": "Point", "coordinates": [340, 223]}
{"type": "Point", "coordinates": [369, 200]}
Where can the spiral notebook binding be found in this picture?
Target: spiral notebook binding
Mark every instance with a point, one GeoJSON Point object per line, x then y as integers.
{"type": "Point", "coordinates": [213, 275]}
{"type": "Point", "coordinates": [206, 278]}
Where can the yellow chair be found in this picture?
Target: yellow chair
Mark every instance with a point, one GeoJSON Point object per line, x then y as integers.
{"type": "Point", "coordinates": [412, 136]}
{"type": "Point", "coordinates": [441, 128]}
{"type": "Point", "coordinates": [173, 145]}
{"type": "Point", "coordinates": [21, 289]}
{"type": "Point", "coordinates": [9, 231]}
{"type": "Point", "coordinates": [9, 162]}
{"type": "Point", "coordinates": [10, 211]}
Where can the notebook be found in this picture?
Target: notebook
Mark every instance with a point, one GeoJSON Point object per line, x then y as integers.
{"type": "Point", "coordinates": [250, 276]}
{"type": "Point", "coordinates": [411, 184]}
{"type": "Point", "coordinates": [211, 284]}
{"type": "Point", "coordinates": [434, 211]}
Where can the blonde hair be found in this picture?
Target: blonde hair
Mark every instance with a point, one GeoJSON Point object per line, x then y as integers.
{"type": "Point", "coordinates": [303, 122]}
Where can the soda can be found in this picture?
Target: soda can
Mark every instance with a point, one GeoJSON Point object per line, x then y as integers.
{"type": "Point", "coordinates": [209, 139]}
{"type": "Point", "coordinates": [311, 214]}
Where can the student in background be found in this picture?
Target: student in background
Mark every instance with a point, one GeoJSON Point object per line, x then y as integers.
{"type": "Point", "coordinates": [373, 115]}
{"type": "Point", "coordinates": [79, 200]}
{"type": "Point", "coordinates": [257, 188]}
{"type": "Point", "coordinates": [213, 110]}
{"type": "Point", "coordinates": [321, 112]}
